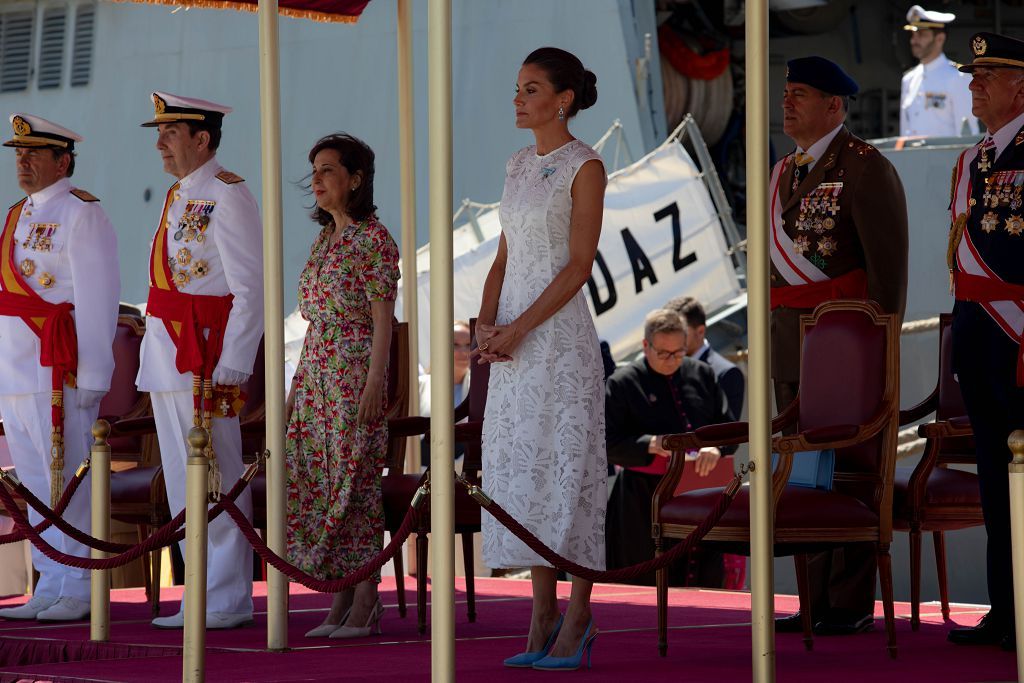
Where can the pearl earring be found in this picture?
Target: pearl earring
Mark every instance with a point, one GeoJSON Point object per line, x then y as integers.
{"type": "Point", "coordinates": [561, 114]}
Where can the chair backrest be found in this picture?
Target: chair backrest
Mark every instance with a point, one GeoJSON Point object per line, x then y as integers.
{"type": "Point", "coordinates": [124, 396]}
{"type": "Point", "coordinates": [255, 408]}
{"type": "Point", "coordinates": [950, 400]}
{"type": "Point", "coordinates": [124, 400]}
{"type": "Point", "coordinates": [849, 372]}
{"type": "Point", "coordinates": [479, 378]}
{"type": "Point", "coordinates": [397, 392]}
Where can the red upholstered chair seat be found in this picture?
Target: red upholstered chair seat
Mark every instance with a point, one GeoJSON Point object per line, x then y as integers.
{"type": "Point", "coordinates": [831, 510]}
{"type": "Point", "coordinates": [946, 487]}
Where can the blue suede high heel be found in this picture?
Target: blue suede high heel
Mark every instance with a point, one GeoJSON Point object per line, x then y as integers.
{"type": "Point", "coordinates": [572, 661]}
{"type": "Point", "coordinates": [524, 660]}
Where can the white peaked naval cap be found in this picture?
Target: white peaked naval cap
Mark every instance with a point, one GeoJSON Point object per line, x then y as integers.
{"type": "Point", "coordinates": [919, 18]}
{"type": "Point", "coordinates": [35, 131]}
{"type": "Point", "coordinates": [170, 108]}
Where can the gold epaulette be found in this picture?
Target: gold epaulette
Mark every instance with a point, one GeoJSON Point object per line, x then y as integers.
{"type": "Point", "coordinates": [84, 196]}
{"type": "Point", "coordinates": [229, 178]}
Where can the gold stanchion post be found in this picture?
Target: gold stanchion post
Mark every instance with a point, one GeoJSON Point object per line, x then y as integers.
{"type": "Point", "coordinates": [761, 522]}
{"type": "Point", "coordinates": [1016, 444]}
{"type": "Point", "coordinates": [99, 621]}
{"type": "Point", "coordinates": [197, 496]}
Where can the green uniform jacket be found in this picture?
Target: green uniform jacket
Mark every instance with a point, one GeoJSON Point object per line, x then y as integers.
{"type": "Point", "coordinates": [869, 232]}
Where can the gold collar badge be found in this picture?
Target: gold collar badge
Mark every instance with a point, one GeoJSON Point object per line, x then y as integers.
{"type": "Point", "coordinates": [979, 46]}
{"type": "Point", "coordinates": [21, 126]}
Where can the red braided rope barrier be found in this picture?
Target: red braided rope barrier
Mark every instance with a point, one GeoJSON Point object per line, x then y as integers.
{"type": "Point", "coordinates": [169, 533]}
{"type": "Point", "coordinates": [312, 582]}
{"type": "Point", "coordinates": [624, 573]}
{"type": "Point", "coordinates": [62, 504]}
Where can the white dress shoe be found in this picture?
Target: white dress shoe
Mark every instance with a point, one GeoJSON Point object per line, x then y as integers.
{"type": "Point", "coordinates": [214, 620]}
{"type": "Point", "coordinates": [65, 609]}
{"type": "Point", "coordinates": [324, 630]}
{"type": "Point", "coordinates": [224, 620]}
{"type": "Point", "coordinates": [30, 610]}
{"type": "Point", "coordinates": [175, 621]}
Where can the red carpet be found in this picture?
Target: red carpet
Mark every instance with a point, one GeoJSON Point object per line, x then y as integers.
{"type": "Point", "coordinates": [709, 641]}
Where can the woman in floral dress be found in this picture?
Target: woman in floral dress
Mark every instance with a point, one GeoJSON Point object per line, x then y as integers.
{"type": "Point", "coordinates": [337, 435]}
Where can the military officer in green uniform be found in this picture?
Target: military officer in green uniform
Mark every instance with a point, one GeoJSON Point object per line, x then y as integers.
{"type": "Point", "coordinates": [838, 231]}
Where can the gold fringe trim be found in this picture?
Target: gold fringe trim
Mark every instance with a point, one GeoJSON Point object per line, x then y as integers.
{"type": "Point", "coordinates": [323, 17]}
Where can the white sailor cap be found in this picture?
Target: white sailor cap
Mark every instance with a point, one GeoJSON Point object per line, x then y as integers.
{"type": "Point", "coordinates": [919, 18]}
{"type": "Point", "coordinates": [170, 108]}
{"type": "Point", "coordinates": [35, 131]}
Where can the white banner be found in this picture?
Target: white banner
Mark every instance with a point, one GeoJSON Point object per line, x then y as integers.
{"type": "Point", "coordinates": [661, 238]}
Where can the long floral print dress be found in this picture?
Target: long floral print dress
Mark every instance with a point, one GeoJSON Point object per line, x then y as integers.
{"type": "Point", "coordinates": [335, 510]}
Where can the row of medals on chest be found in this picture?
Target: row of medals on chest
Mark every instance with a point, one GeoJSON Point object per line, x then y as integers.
{"type": "Point", "coordinates": [191, 228]}
{"type": "Point", "coordinates": [1003, 188]}
{"type": "Point", "coordinates": [818, 213]}
{"type": "Point", "coordinates": [39, 239]}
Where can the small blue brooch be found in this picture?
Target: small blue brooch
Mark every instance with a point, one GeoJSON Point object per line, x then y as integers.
{"type": "Point", "coordinates": [546, 171]}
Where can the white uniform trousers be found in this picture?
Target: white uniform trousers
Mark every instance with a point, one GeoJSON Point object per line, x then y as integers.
{"type": "Point", "coordinates": [27, 424]}
{"type": "Point", "coordinates": [229, 557]}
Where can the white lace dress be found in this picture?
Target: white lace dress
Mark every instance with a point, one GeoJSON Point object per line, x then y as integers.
{"type": "Point", "coordinates": [543, 435]}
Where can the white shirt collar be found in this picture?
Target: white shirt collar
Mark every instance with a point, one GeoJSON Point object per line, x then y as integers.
{"type": "Point", "coordinates": [936, 63]}
{"type": "Point", "coordinates": [817, 150]}
{"type": "Point", "coordinates": [62, 186]}
{"type": "Point", "coordinates": [1004, 136]}
{"type": "Point", "coordinates": [201, 174]}
{"type": "Point", "coordinates": [700, 351]}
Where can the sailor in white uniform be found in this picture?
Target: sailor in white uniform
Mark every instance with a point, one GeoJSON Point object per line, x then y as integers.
{"type": "Point", "coordinates": [58, 246]}
{"type": "Point", "coordinates": [208, 245]}
{"type": "Point", "coordinates": [934, 96]}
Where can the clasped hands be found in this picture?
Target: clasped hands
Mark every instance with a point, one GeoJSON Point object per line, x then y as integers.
{"type": "Point", "coordinates": [495, 343]}
{"type": "Point", "coordinates": [705, 461]}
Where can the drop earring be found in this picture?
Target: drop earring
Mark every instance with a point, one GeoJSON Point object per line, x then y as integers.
{"type": "Point", "coordinates": [561, 114]}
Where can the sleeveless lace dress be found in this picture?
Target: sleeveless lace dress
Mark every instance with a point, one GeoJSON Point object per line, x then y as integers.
{"type": "Point", "coordinates": [543, 435]}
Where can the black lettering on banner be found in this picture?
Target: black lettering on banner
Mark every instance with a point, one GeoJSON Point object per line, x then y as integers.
{"type": "Point", "coordinates": [642, 267]}
{"type": "Point", "coordinates": [678, 260]}
{"type": "Point", "coordinates": [595, 296]}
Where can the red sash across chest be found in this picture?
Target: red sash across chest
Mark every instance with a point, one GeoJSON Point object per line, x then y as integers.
{"type": "Point", "coordinates": [51, 322]}
{"type": "Point", "coordinates": [185, 316]}
{"type": "Point", "coordinates": [806, 284]}
{"type": "Point", "coordinates": [973, 279]}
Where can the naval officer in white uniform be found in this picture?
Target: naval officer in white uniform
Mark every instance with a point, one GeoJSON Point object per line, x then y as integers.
{"type": "Point", "coordinates": [935, 99]}
{"type": "Point", "coordinates": [208, 244]}
{"type": "Point", "coordinates": [58, 247]}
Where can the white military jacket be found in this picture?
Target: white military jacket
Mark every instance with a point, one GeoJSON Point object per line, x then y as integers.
{"type": "Point", "coordinates": [66, 251]}
{"type": "Point", "coordinates": [215, 238]}
{"type": "Point", "coordinates": [935, 99]}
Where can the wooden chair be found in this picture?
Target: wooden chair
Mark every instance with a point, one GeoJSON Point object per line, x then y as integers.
{"type": "Point", "coordinates": [137, 493]}
{"type": "Point", "coordinates": [848, 401]}
{"type": "Point", "coordinates": [934, 496]}
{"type": "Point", "coordinates": [399, 489]}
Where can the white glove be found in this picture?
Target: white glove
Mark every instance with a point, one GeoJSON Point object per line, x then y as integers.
{"type": "Point", "coordinates": [228, 377]}
{"type": "Point", "coordinates": [89, 398]}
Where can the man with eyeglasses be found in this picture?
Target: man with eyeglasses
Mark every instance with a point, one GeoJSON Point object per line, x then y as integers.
{"type": "Point", "coordinates": [664, 392]}
{"type": "Point", "coordinates": [461, 347]}
{"type": "Point", "coordinates": [986, 250]}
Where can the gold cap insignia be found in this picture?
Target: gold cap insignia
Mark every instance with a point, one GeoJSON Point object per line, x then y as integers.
{"type": "Point", "coordinates": [159, 104]}
{"type": "Point", "coordinates": [21, 126]}
{"type": "Point", "coordinates": [979, 46]}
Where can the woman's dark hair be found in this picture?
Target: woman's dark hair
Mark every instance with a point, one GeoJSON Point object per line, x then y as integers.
{"type": "Point", "coordinates": [357, 158]}
{"type": "Point", "coordinates": [566, 72]}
